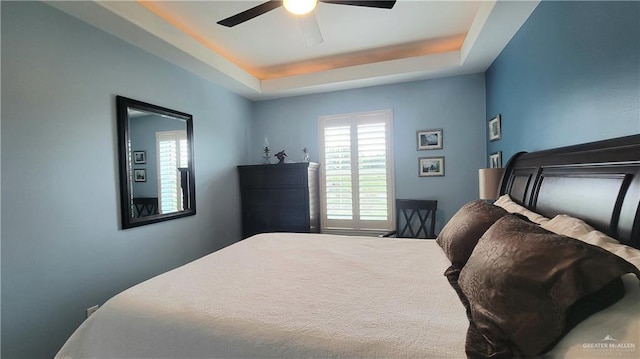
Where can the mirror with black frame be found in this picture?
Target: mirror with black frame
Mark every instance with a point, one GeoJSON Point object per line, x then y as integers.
{"type": "Point", "coordinates": [155, 147]}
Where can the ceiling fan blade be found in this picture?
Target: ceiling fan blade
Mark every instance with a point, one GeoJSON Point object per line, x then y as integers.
{"type": "Point", "coordinates": [373, 3]}
{"type": "Point", "coordinates": [250, 14]}
{"type": "Point", "coordinates": [311, 30]}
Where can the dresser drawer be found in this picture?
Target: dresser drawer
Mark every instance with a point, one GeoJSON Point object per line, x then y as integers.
{"type": "Point", "coordinates": [274, 176]}
{"type": "Point", "coordinates": [275, 197]}
{"type": "Point", "coordinates": [282, 218]}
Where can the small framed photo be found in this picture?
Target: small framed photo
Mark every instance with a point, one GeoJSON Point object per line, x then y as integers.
{"type": "Point", "coordinates": [139, 157]}
{"type": "Point", "coordinates": [140, 175]}
{"type": "Point", "coordinates": [430, 166]}
{"type": "Point", "coordinates": [495, 129]}
{"type": "Point", "coordinates": [430, 139]}
{"type": "Point", "coordinates": [495, 160]}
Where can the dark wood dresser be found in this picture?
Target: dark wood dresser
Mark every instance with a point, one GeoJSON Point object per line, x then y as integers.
{"type": "Point", "coordinates": [280, 198]}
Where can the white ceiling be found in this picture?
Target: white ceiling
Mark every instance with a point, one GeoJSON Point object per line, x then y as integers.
{"type": "Point", "coordinates": [267, 57]}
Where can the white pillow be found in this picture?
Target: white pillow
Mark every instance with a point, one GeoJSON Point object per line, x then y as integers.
{"type": "Point", "coordinates": [603, 241]}
{"type": "Point", "coordinates": [512, 207]}
{"type": "Point", "coordinates": [568, 226]}
{"type": "Point", "coordinates": [578, 229]}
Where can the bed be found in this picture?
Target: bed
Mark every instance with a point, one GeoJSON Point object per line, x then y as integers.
{"type": "Point", "coordinates": [284, 295]}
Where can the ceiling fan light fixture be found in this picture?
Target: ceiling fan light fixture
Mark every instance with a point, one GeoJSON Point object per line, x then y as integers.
{"type": "Point", "coordinates": [300, 7]}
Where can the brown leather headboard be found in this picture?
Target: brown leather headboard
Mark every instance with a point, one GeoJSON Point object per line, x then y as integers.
{"type": "Point", "coordinates": [598, 182]}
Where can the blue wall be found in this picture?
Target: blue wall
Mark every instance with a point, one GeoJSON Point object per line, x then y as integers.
{"type": "Point", "coordinates": [570, 75]}
{"type": "Point", "coordinates": [455, 104]}
{"type": "Point", "coordinates": [62, 249]}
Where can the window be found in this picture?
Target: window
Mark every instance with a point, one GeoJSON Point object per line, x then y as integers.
{"type": "Point", "coordinates": [172, 154]}
{"type": "Point", "coordinates": [357, 172]}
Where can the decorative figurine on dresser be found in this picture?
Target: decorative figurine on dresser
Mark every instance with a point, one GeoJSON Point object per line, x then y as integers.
{"type": "Point", "coordinates": [280, 156]}
{"type": "Point", "coordinates": [280, 198]}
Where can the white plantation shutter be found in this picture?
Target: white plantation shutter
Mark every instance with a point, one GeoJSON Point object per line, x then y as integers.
{"type": "Point", "coordinates": [337, 160]}
{"type": "Point", "coordinates": [172, 154]}
{"type": "Point", "coordinates": [357, 172]}
{"type": "Point", "coordinates": [372, 169]}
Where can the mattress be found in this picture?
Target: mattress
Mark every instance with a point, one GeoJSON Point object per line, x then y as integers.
{"type": "Point", "coordinates": [286, 295]}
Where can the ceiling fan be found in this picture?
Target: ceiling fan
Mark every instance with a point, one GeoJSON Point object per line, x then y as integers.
{"type": "Point", "coordinates": [309, 24]}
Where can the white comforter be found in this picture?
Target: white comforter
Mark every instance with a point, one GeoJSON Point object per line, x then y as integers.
{"type": "Point", "coordinates": [287, 296]}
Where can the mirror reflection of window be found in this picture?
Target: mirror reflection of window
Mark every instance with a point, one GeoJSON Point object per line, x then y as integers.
{"type": "Point", "coordinates": [172, 153]}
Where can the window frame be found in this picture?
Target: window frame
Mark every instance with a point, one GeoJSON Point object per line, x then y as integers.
{"type": "Point", "coordinates": [356, 226]}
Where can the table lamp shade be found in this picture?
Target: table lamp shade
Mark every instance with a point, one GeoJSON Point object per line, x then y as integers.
{"type": "Point", "coordinates": [489, 181]}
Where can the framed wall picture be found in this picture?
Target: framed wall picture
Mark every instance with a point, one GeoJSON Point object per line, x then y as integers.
{"type": "Point", "coordinates": [139, 157]}
{"type": "Point", "coordinates": [495, 160]}
{"type": "Point", "coordinates": [140, 175]}
{"type": "Point", "coordinates": [495, 129]}
{"type": "Point", "coordinates": [430, 166]}
{"type": "Point", "coordinates": [430, 139]}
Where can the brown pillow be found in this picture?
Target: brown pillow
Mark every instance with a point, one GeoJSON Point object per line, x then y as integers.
{"type": "Point", "coordinates": [526, 287]}
{"type": "Point", "coordinates": [460, 235]}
